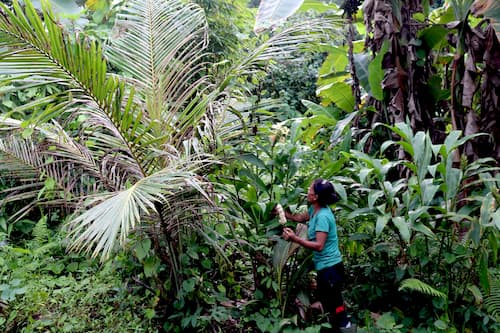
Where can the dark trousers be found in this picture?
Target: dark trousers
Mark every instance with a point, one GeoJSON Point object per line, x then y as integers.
{"type": "Point", "coordinates": [330, 284]}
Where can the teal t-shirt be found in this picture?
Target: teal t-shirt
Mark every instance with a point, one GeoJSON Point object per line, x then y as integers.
{"type": "Point", "coordinates": [324, 221]}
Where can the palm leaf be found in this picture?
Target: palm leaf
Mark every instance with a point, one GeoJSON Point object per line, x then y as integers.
{"type": "Point", "coordinates": [283, 45]}
{"type": "Point", "coordinates": [111, 217]}
{"type": "Point", "coordinates": [161, 49]}
{"type": "Point", "coordinates": [51, 153]}
{"type": "Point", "coordinates": [19, 159]}
{"type": "Point", "coordinates": [36, 50]}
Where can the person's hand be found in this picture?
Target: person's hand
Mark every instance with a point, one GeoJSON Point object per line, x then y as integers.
{"type": "Point", "coordinates": [288, 234]}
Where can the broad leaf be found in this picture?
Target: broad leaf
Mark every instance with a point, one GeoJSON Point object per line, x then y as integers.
{"type": "Point", "coordinates": [340, 94]}
{"type": "Point", "coordinates": [402, 225]}
{"type": "Point", "coordinates": [434, 36]}
{"type": "Point", "coordinates": [376, 75]}
{"type": "Point", "coordinates": [273, 12]}
{"type": "Point", "coordinates": [381, 223]}
{"type": "Point", "coordinates": [362, 62]}
{"type": "Point", "coordinates": [336, 61]}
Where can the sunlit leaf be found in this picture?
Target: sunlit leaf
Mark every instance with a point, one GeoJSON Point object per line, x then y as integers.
{"type": "Point", "coordinates": [273, 12]}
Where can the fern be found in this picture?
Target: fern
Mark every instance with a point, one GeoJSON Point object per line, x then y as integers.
{"type": "Point", "coordinates": [42, 242]}
{"type": "Point", "coordinates": [492, 301]}
{"type": "Point", "coordinates": [41, 232]}
{"type": "Point", "coordinates": [421, 287]}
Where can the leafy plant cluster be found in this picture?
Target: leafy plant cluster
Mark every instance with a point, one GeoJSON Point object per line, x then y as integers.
{"type": "Point", "coordinates": [43, 288]}
{"type": "Point", "coordinates": [429, 238]}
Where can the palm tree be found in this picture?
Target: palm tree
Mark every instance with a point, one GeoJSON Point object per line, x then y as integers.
{"type": "Point", "coordinates": [143, 140]}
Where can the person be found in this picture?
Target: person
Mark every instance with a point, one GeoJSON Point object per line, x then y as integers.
{"type": "Point", "coordinates": [323, 240]}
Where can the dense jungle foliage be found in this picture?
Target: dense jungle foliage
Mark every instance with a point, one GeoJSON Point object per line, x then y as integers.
{"type": "Point", "coordinates": [144, 144]}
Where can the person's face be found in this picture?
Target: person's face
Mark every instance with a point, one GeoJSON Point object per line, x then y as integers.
{"type": "Point", "coordinates": [311, 196]}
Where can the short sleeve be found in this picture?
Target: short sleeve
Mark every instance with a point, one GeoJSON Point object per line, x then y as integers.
{"type": "Point", "coordinates": [322, 223]}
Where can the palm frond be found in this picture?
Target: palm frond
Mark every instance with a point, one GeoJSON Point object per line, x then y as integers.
{"type": "Point", "coordinates": [158, 37]}
{"type": "Point", "coordinates": [36, 50]}
{"type": "Point", "coordinates": [421, 287]}
{"type": "Point", "coordinates": [20, 158]}
{"type": "Point", "coordinates": [50, 153]}
{"type": "Point", "coordinates": [111, 217]}
{"type": "Point", "coordinates": [161, 45]}
{"type": "Point", "coordinates": [284, 45]}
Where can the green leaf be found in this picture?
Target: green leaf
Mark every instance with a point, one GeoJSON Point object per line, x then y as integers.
{"type": "Point", "coordinates": [142, 248]}
{"type": "Point", "coordinates": [402, 226]}
{"type": "Point", "coordinates": [381, 223]}
{"type": "Point", "coordinates": [496, 218]}
{"type": "Point", "coordinates": [339, 130]}
{"type": "Point", "coordinates": [429, 190]}
{"type": "Point", "coordinates": [478, 297]}
{"type": "Point", "coordinates": [453, 179]}
{"type": "Point", "coordinates": [24, 225]}
{"type": "Point", "coordinates": [493, 243]}
{"type": "Point", "coordinates": [362, 62]}
{"type": "Point", "coordinates": [27, 132]}
{"type": "Point", "coordinates": [484, 277]}
{"type": "Point", "coordinates": [189, 285]}
{"type": "Point", "coordinates": [253, 159]}
{"type": "Point", "coordinates": [386, 321]}
{"type": "Point", "coordinates": [56, 268]}
{"type": "Point", "coordinates": [422, 228]}
{"type": "Point", "coordinates": [441, 325]}
{"type": "Point", "coordinates": [487, 206]}
{"type": "Point", "coordinates": [449, 258]}
{"type": "Point", "coordinates": [256, 181]}
{"type": "Point", "coordinates": [151, 266]}
{"type": "Point", "coordinates": [336, 61]}
{"type": "Point", "coordinates": [3, 224]}
{"type": "Point", "coordinates": [317, 6]}
{"type": "Point", "coordinates": [433, 36]}
{"type": "Point", "coordinates": [340, 94]}
{"type": "Point", "coordinates": [475, 233]}
{"type": "Point", "coordinates": [340, 190]}
{"type": "Point", "coordinates": [422, 151]}
{"type": "Point", "coordinates": [377, 73]}
{"type": "Point", "coordinates": [149, 313]}
{"type": "Point", "coordinates": [419, 17]}
{"type": "Point", "coordinates": [373, 196]}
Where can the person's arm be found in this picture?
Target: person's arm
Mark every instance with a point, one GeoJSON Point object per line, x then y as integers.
{"type": "Point", "coordinates": [317, 245]}
{"type": "Point", "coordinates": [298, 217]}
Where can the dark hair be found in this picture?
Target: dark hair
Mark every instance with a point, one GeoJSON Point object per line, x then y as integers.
{"type": "Point", "coordinates": [325, 192]}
